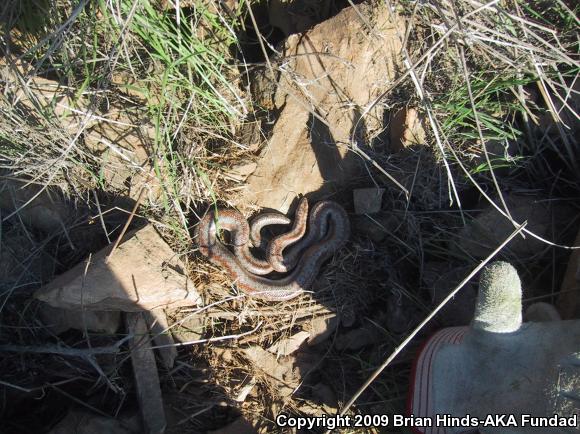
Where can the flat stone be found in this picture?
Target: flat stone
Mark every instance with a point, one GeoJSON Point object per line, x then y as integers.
{"type": "Point", "coordinates": [141, 275]}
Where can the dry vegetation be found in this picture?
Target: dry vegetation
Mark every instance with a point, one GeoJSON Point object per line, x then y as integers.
{"type": "Point", "coordinates": [101, 99]}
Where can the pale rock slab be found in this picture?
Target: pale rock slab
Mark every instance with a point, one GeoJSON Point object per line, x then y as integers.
{"type": "Point", "coordinates": [141, 275]}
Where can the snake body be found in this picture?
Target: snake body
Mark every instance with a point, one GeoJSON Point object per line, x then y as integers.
{"type": "Point", "coordinates": [328, 230]}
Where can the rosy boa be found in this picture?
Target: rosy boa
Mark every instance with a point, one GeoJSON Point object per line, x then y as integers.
{"type": "Point", "coordinates": [328, 230]}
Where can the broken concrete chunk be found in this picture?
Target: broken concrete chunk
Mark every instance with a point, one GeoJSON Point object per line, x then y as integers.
{"type": "Point", "coordinates": [367, 200]}
{"type": "Point", "coordinates": [145, 373]}
{"type": "Point", "coordinates": [140, 276]}
{"type": "Point", "coordinates": [59, 320]}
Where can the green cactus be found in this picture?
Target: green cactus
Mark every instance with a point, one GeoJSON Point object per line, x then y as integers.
{"type": "Point", "coordinates": [499, 302]}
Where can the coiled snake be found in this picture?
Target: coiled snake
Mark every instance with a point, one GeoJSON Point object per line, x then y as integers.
{"type": "Point", "coordinates": [328, 230]}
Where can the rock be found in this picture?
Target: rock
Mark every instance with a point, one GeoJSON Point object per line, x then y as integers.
{"type": "Point", "coordinates": [294, 16]}
{"type": "Point", "coordinates": [489, 229]}
{"type": "Point", "coordinates": [145, 373]}
{"type": "Point", "coordinates": [358, 338]}
{"type": "Point", "coordinates": [121, 137]}
{"type": "Point", "coordinates": [123, 145]}
{"type": "Point", "coordinates": [191, 328]}
{"type": "Point", "coordinates": [407, 128]}
{"type": "Point", "coordinates": [569, 298]}
{"type": "Point", "coordinates": [320, 329]}
{"type": "Point", "coordinates": [81, 422]}
{"type": "Point", "coordinates": [541, 312]}
{"type": "Point", "coordinates": [48, 212]}
{"type": "Point", "coordinates": [38, 97]}
{"type": "Point", "coordinates": [279, 371]}
{"type": "Point", "coordinates": [140, 276]}
{"type": "Point", "coordinates": [20, 266]}
{"type": "Point", "coordinates": [367, 200]}
{"type": "Point", "coordinates": [241, 172]}
{"type": "Point", "coordinates": [376, 227]}
{"type": "Point", "coordinates": [324, 394]}
{"type": "Point", "coordinates": [239, 426]}
{"type": "Point", "coordinates": [287, 346]}
{"type": "Point", "coordinates": [59, 320]}
{"type": "Point", "coordinates": [164, 343]}
{"type": "Point", "coordinates": [245, 390]}
{"type": "Point", "coordinates": [333, 69]}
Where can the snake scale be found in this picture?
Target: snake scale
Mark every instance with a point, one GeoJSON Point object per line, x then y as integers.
{"type": "Point", "coordinates": [312, 240]}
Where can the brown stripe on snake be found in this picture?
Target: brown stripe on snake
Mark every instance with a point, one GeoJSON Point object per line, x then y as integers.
{"type": "Point", "coordinates": [328, 230]}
